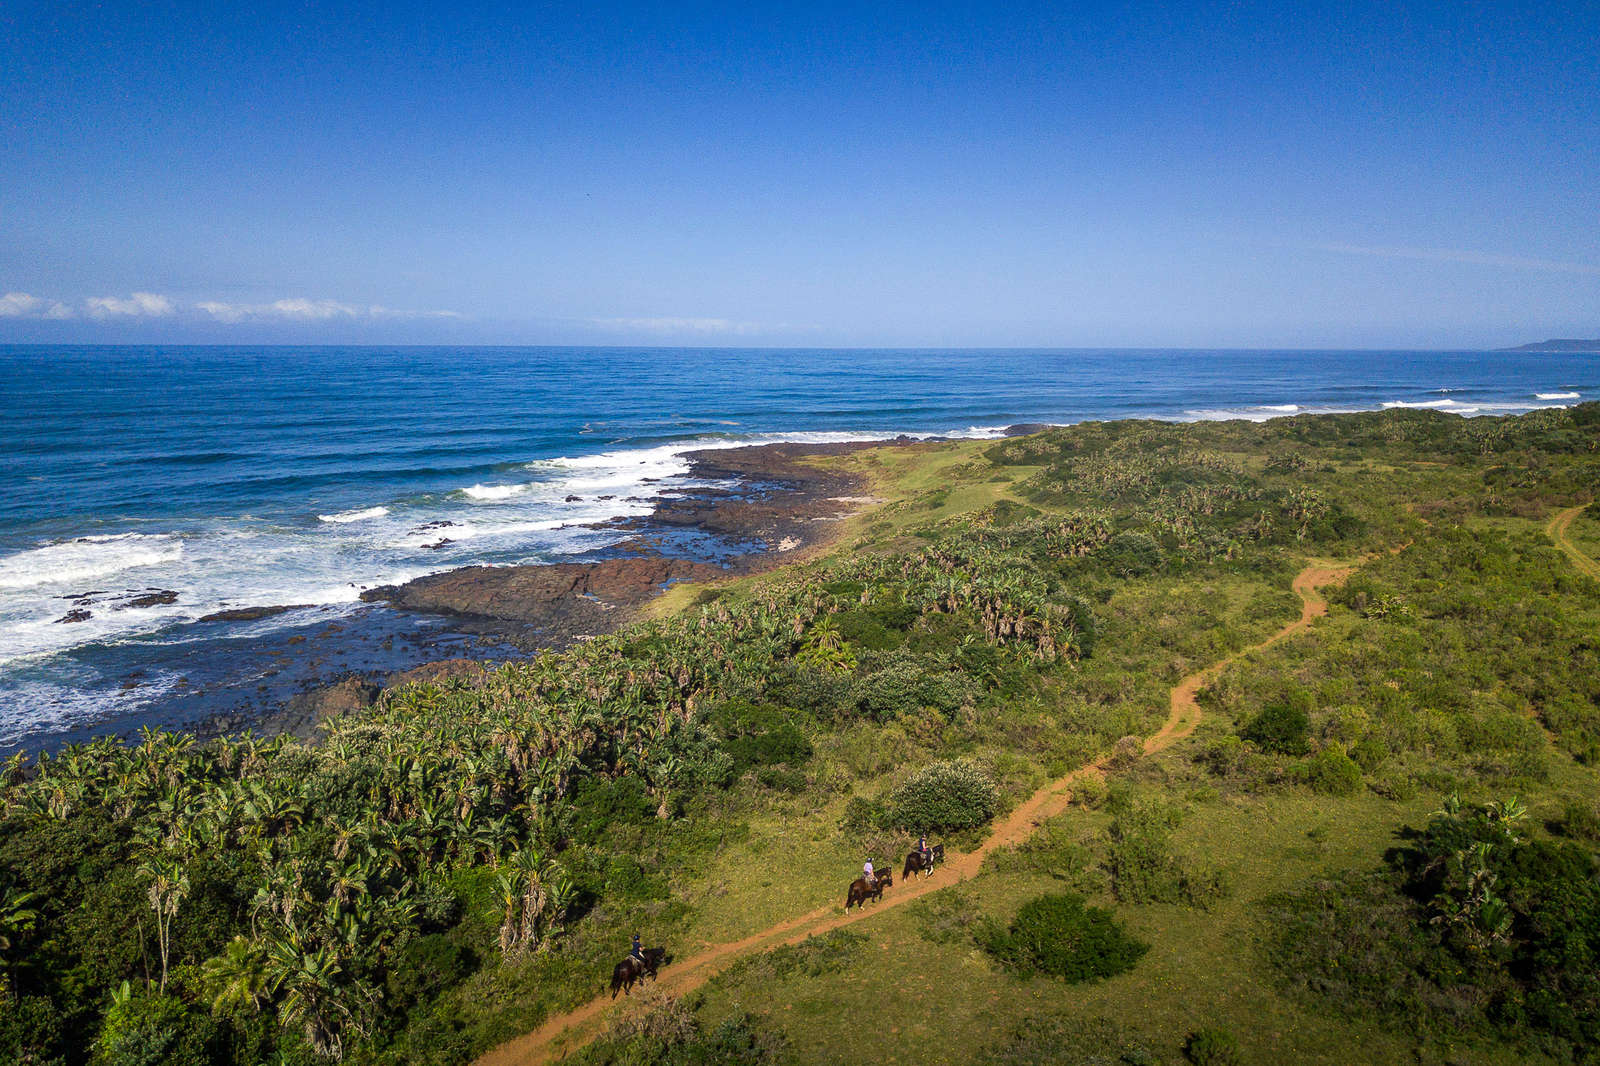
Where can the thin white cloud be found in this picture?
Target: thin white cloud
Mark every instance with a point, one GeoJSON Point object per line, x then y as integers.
{"type": "Point", "coordinates": [25, 305]}
{"type": "Point", "coordinates": [1453, 255]}
{"type": "Point", "coordinates": [154, 305]}
{"type": "Point", "coordinates": [18, 305]}
{"type": "Point", "coordinates": [699, 326]}
{"type": "Point", "coordinates": [300, 309]}
{"type": "Point", "coordinates": [137, 305]}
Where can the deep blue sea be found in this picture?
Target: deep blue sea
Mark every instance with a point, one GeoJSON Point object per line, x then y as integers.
{"type": "Point", "coordinates": [239, 477]}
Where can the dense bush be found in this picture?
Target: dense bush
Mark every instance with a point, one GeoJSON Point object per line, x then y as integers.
{"type": "Point", "coordinates": [1331, 772]}
{"type": "Point", "coordinates": [1474, 928]}
{"type": "Point", "coordinates": [944, 796]}
{"type": "Point", "coordinates": [1211, 1046]}
{"type": "Point", "coordinates": [1131, 554]}
{"type": "Point", "coordinates": [1281, 727]}
{"type": "Point", "coordinates": [757, 735]}
{"type": "Point", "coordinates": [903, 684]}
{"type": "Point", "coordinates": [1059, 936]}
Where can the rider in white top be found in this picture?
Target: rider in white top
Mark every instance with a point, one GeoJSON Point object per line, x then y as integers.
{"type": "Point", "coordinates": [866, 868]}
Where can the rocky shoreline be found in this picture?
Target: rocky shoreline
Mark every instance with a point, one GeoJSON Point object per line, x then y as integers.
{"type": "Point", "coordinates": [779, 504]}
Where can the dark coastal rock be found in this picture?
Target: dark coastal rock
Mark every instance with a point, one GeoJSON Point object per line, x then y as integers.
{"type": "Point", "coordinates": [1023, 429]}
{"type": "Point", "coordinates": [157, 598]}
{"type": "Point", "coordinates": [574, 499]}
{"type": "Point", "coordinates": [351, 694]}
{"type": "Point", "coordinates": [443, 670]}
{"type": "Point", "coordinates": [249, 614]}
{"type": "Point", "coordinates": [78, 615]}
{"type": "Point", "coordinates": [540, 594]}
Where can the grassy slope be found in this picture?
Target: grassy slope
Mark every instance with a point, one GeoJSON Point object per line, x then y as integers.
{"type": "Point", "coordinates": [907, 999]}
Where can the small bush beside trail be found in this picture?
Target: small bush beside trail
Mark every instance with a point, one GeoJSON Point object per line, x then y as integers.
{"type": "Point", "coordinates": [945, 796]}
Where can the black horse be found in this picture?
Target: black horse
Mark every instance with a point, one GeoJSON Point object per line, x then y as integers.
{"type": "Point", "coordinates": [916, 863]}
{"type": "Point", "coordinates": [631, 969]}
{"type": "Point", "coordinates": [860, 891]}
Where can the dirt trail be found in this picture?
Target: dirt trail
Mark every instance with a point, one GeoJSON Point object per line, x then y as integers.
{"type": "Point", "coordinates": [567, 1032]}
{"type": "Point", "coordinates": [1558, 532]}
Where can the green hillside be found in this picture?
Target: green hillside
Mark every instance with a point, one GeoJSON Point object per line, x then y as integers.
{"type": "Point", "coordinates": [1377, 844]}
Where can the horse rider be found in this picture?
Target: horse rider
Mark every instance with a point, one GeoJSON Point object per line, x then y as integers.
{"type": "Point", "coordinates": [872, 878]}
{"type": "Point", "coordinates": [927, 852]}
{"type": "Point", "coordinates": [638, 952]}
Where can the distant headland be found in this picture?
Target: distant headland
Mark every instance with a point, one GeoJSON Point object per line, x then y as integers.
{"type": "Point", "coordinates": [1558, 344]}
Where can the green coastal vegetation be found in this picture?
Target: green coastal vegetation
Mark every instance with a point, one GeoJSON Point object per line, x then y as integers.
{"type": "Point", "coordinates": [1381, 844]}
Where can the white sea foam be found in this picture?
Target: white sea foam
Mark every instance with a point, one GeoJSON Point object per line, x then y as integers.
{"type": "Point", "coordinates": [493, 493]}
{"type": "Point", "coordinates": [1255, 413]}
{"type": "Point", "coordinates": [86, 558]}
{"type": "Point", "coordinates": [363, 515]}
{"type": "Point", "coordinates": [1556, 396]}
{"type": "Point", "coordinates": [54, 705]}
{"type": "Point", "coordinates": [1440, 404]}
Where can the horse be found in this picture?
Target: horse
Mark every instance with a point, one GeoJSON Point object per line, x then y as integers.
{"type": "Point", "coordinates": [631, 969]}
{"type": "Point", "coordinates": [860, 891]}
{"type": "Point", "coordinates": [915, 864]}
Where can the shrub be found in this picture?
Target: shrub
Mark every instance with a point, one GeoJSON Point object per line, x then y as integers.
{"type": "Point", "coordinates": [761, 735]}
{"type": "Point", "coordinates": [1210, 1046]}
{"type": "Point", "coordinates": [1131, 554]}
{"type": "Point", "coordinates": [425, 966]}
{"type": "Point", "coordinates": [861, 815]}
{"type": "Point", "coordinates": [949, 916]}
{"type": "Point", "coordinates": [153, 1027]}
{"type": "Point", "coordinates": [1281, 727]}
{"type": "Point", "coordinates": [599, 802]}
{"type": "Point", "coordinates": [1059, 936]}
{"type": "Point", "coordinates": [815, 956]}
{"type": "Point", "coordinates": [1331, 772]}
{"type": "Point", "coordinates": [904, 685]}
{"type": "Point", "coordinates": [944, 796]}
{"type": "Point", "coordinates": [1070, 1042]}
{"type": "Point", "coordinates": [1142, 866]}
{"type": "Point", "coordinates": [1580, 821]}
{"type": "Point", "coordinates": [656, 1016]}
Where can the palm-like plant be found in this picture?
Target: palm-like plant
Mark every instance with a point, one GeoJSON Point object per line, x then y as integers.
{"type": "Point", "coordinates": [169, 884]}
{"type": "Point", "coordinates": [17, 916]}
{"type": "Point", "coordinates": [239, 978]}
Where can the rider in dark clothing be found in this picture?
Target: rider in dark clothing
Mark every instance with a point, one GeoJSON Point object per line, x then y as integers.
{"type": "Point", "coordinates": [927, 852]}
{"type": "Point", "coordinates": [637, 952]}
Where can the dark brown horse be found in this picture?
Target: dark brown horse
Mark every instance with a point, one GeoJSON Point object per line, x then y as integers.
{"type": "Point", "coordinates": [631, 969]}
{"type": "Point", "coordinates": [917, 864]}
{"type": "Point", "coordinates": [860, 891]}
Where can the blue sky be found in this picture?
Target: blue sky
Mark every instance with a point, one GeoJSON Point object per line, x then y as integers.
{"type": "Point", "coordinates": [1316, 175]}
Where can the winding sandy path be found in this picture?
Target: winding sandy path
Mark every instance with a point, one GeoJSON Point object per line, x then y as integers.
{"type": "Point", "coordinates": [1558, 532]}
{"type": "Point", "coordinates": [566, 1032]}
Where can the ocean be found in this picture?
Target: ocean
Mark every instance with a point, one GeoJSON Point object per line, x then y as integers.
{"type": "Point", "coordinates": [144, 488]}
